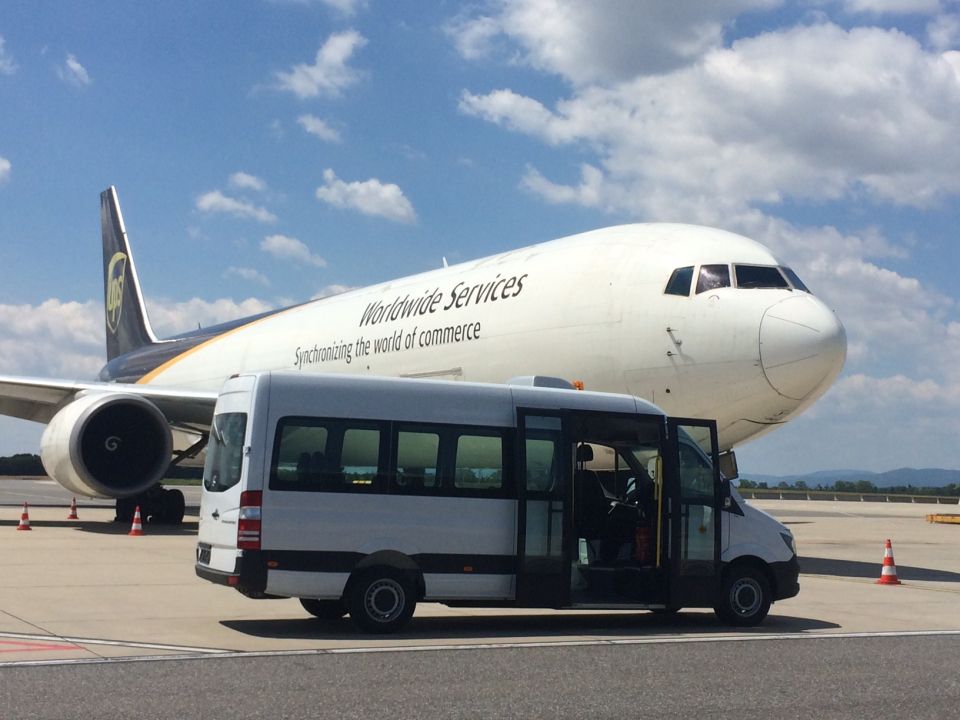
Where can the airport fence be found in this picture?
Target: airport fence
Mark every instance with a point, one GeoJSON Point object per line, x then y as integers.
{"type": "Point", "coordinates": [778, 494]}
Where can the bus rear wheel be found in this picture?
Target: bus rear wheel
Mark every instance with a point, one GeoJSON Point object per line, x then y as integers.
{"type": "Point", "coordinates": [745, 598]}
{"type": "Point", "coordinates": [324, 609]}
{"type": "Point", "coordinates": [382, 600]}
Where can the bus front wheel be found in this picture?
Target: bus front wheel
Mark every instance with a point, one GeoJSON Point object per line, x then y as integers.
{"type": "Point", "coordinates": [382, 600]}
{"type": "Point", "coordinates": [745, 598]}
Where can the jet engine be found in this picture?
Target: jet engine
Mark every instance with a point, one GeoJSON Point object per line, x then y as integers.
{"type": "Point", "coordinates": [109, 445]}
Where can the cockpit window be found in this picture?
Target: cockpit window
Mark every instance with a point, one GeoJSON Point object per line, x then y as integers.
{"type": "Point", "coordinates": [712, 277]}
{"type": "Point", "coordinates": [679, 282]}
{"type": "Point", "coordinates": [760, 276]}
{"type": "Point", "coordinates": [794, 280]}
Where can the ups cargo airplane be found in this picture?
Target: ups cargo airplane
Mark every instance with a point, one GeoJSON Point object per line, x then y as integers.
{"type": "Point", "coordinates": [702, 322]}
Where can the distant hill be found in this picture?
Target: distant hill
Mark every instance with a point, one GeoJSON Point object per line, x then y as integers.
{"type": "Point", "coordinates": [926, 477]}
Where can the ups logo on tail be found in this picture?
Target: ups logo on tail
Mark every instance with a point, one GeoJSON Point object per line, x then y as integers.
{"type": "Point", "coordinates": [115, 279]}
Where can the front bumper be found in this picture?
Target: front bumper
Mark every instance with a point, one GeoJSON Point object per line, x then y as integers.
{"type": "Point", "coordinates": [786, 578]}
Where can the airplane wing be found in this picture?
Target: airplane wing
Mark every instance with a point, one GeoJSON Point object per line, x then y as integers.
{"type": "Point", "coordinates": [39, 399]}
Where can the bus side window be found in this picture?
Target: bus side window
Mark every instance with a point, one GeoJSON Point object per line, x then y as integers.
{"type": "Point", "coordinates": [359, 460]}
{"type": "Point", "coordinates": [296, 458]}
{"type": "Point", "coordinates": [418, 453]}
{"type": "Point", "coordinates": [479, 463]}
{"type": "Point", "coordinates": [314, 454]}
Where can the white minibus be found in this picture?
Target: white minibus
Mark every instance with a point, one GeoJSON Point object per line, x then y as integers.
{"type": "Point", "coordinates": [366, 495]}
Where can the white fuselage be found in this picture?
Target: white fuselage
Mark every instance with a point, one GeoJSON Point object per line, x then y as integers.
{"type": "Point", "coordinates": [588, 308]}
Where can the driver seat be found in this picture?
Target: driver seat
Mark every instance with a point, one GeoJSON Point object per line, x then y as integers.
{"type": "Point", "coordinates": [590, 499]}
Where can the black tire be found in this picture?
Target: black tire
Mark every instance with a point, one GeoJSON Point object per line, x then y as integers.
{"type": "Point", "coordinates": [174, 507]}
{"type": "Point", "coordinates": [745, 598]}
{"type": "Point", "coordinates": [382, 600]}
{"type": "Point", "coordinates": [125, 510]}
{"type": "Point", "coordinates": [324, 609]}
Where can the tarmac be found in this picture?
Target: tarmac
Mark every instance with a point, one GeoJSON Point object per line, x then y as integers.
{"type": "Point", "coordinates": [84, 590]}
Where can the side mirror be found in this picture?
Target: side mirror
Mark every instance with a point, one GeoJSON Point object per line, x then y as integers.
{"type": "Point", "coordinates": [728, 465]}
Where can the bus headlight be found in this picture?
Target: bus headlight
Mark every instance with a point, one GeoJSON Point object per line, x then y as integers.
{"type": "Point", "coordinates": [791, 543]}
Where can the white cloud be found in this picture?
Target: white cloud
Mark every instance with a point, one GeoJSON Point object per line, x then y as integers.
{"type": "Point", "coordinates": [331, 290]}
{"type": "Point", "coordinates": [345, 7]}
{"type": "Point", "coordinates": [601, 42]}
{"type": "Point", "coordinates": [330, 74]}
{"type": "Point", "coordinates": [7, 65]}
{"type": "Point", "coordinates": [247, 274]}
{"type": "Point", "coordinates": [943, 32]}
{"type": "Point", "coordinates": [66, 338]}
{"type": "Point", "coordinates": [519, 113]}
{"type": "Point", "coordinates": [216, 202]}
{"type": "Point", "coordinates": [170, 317]}
{"type": "Point", "coordinates": [893, 7]}
{"type": "Point", "coordinates": [591, 192]}
{"type": "Point", "coordinates": [474, 36]}
{"type": "Point", "coordinates": [245, 181]}
{"type": "Point", "coordinates": [73, 73]}
{"type": "Point", "coordinates": [370, 197]}
{"type": "Point", "coordinates": [288, 248]}
{"type": "Point", "coordinates": [55, 338]}
{"type": "Point", "coordinates": [315, 126]}
{"type": "Point", "coordinates": [5, 168]}
{"type": "Point", "coordinates": [811, 113]}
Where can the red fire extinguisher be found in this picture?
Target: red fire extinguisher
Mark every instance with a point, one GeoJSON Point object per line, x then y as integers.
{"type": "Point", "coordinates": [643, 544]}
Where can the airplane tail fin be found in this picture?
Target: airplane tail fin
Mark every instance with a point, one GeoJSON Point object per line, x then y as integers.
{"type": "Point", "coordinates": [127, 325]}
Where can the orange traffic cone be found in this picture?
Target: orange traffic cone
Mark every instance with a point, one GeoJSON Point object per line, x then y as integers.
{"type": "Point", "coordinates": [888, 575]}
{"type": "Point", "coordinates": [137, 527]}
{"type": "Point", "coordinates": [24, 519]}
{"type": "Point", "coordinates": [73, 511]}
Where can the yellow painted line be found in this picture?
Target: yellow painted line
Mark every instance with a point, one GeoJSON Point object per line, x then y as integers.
{"type": "Point", "coordinates": [152, 375]}
{"type": "Point", "coordinates": [950, 518]}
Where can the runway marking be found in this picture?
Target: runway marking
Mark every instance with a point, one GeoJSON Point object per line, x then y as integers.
{"type": "Point", "coordinates": [114, 643]}
{"type": "Point", "coordinates": [15, 646]}
{"type": "Point", "coordinates": [905, 584]}
{"type": "Point", "coordinates": [207, 653]}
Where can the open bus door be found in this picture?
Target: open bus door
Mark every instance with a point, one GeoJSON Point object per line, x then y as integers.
{"type": "Point", "coordinates": [543, 533]}
{"type": "Point", "coordinates": [695, 498]}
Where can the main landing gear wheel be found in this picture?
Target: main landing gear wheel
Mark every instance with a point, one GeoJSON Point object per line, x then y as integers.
{"type": "Point", "coordinates": [745, 598]}
{"type": "Point", "coordinates": [382, 600]}
{"type": "Point", "coordinates": [172, 507]}
{"type": "Point", "coordinates": [157, 505]}
{"type": "Point", "coordinates": [125, 510]}
{"type": "Point", "coordinates": [324, 609]}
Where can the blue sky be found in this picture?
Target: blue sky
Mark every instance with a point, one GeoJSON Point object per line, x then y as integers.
{"type": "Point", "coordinates": [269, 152]}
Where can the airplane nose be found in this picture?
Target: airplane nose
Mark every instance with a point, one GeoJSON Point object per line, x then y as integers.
{"type": "Point", "coordinates": [803, 346]}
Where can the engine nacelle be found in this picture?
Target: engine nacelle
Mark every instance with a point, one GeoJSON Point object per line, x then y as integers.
{"type": "Point", "coordinates": [109, 445]}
